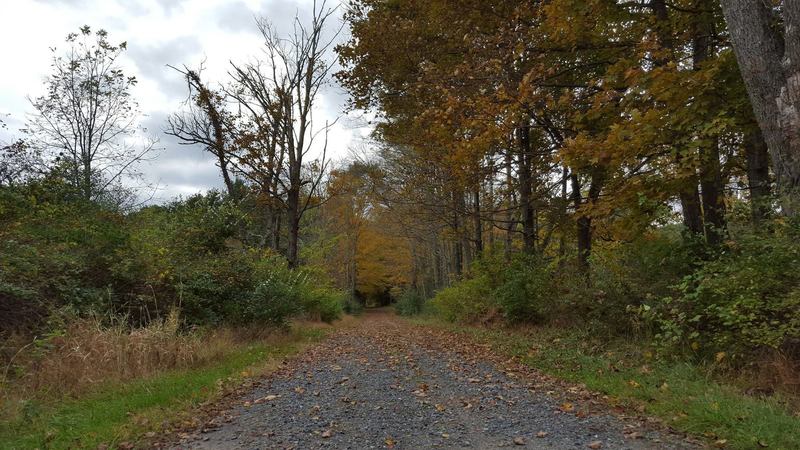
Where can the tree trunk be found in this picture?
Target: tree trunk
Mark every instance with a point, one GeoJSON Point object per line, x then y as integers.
{"type": "Point", "coordinates": [276, 230]}
{"type": "Point", "coordinates": [711, 183]}
{"type": "Point", "coordinates": [758, 182]}
{"type": "Point", "coordinates": [509, 207]}
{"type": "Point", "coordinates": [476, 222]}
{"type": "Point", "coordinates": [770, 67]}
{"type": "Point", "coordinates": [293, 213]}
{"type": "Point", "coordinates": [458, 250]}
{"type": "Point", "coordinates": [562, 239]}
{"type": "Point", "coordinates": [525, 188]}
{"type": "Point", "coordinates": [583, 223]}
{"type": "Point", "coordinates": [690, 205]}
{"type": "Point", "coordinates": [584, 220]}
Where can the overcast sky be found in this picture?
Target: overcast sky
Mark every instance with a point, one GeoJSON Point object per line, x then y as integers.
{"type": "Point", "coordinates": [158, 32]}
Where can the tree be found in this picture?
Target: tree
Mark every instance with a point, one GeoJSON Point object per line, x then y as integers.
{"type": "Point", "coordinates": [768, 53]}
{"type": "Point", "coordinates": [87, 118]}
{"type": "Point", "coordinates": [299, 71]}
{"type": "Point", "coordinates": [205, 123]}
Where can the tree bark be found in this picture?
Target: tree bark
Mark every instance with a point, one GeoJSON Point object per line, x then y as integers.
{"type": "Point", "coordinates": [770, 67]}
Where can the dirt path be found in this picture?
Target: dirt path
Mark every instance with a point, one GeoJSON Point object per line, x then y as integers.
{"type": "Point", "coordinates": [388, 384]}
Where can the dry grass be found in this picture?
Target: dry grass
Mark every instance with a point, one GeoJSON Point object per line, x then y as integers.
{"type": "Point", "coordinates": [89, 354]}
{"type": "Point", "coordinates": [773, 373]}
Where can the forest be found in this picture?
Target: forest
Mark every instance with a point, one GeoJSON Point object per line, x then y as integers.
{"type": "Point", "coordinates": [607, 191]}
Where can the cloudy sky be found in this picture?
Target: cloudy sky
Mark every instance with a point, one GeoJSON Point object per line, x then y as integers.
{"type": "Point", "coordinates": [158, 32]}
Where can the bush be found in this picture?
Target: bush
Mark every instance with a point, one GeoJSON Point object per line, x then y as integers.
{"type": "Point", "coordinates": [323, 304]}
{"type": "Point", "coordinates": [352, 305]}
{"type": "Point", "coordinates": [274, 301]}
{"type": "Point", "coordinates": [744, 300]}
{"type": "Point", "coordinates": [466, 301]}
{"type": "Point", "coordinates": [409, 303]}
{"type": "Point", "coordinates": [525, 294]}
{"type": "Point", "coordinates": [190, 254]}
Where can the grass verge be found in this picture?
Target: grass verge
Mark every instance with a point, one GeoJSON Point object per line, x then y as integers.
{"type": "Point", "coordinates": [119, 412]}
{"type": "Point", "coordinates": [683, 395]}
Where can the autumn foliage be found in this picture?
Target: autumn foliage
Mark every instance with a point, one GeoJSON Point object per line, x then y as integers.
{"type": "Point", "coordinates": [580, 162]}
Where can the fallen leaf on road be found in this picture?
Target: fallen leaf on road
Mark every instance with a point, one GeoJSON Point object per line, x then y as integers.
{"type": "Point", "coordinates": [594, 445]}
{"type": "Point", "coordinates": [633, 435]}
{"type": "Point", "coordinates": [326, 434]}
{"type": "Point", "coordinates": [267, 398]}
{"type": "Point", "coordinates": [541, 434]}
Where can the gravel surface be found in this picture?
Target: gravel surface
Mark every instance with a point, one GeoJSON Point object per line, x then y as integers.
{"type": "Point", "coordinates": [388, 384]}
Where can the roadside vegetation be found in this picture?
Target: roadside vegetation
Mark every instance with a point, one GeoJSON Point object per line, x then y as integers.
{"type": "Point", "coordinates": [616, 183]}
{"type": "Point", "coordinates": [115, 308]}
{"type": "Point", "coordinates": [143, 391]}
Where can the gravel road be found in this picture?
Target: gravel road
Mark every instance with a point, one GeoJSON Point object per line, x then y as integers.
{"type": "Point", "coordinates": [385, 383]}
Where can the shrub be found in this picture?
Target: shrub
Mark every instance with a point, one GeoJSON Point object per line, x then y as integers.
{"type": "Point", "coordinates": [524, 294]}
{"type": "Point", "coordinates": [352, 305]}
{"type": "Point", "coordinates": [410, 302]}
{"type": "Point", "coordinates": [323, 304]}
{"type": "Point", "coordinates": [745, 299]}
{"type": "Point", "coordinates": [466, 301]}
{"type": "Point", "coordinates": [274, 301]}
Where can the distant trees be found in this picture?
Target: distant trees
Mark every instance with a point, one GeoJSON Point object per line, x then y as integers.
{"type": "Point", "coordinates": [86, 121]}
{"type": "Point", "coordinates": [566, 122]}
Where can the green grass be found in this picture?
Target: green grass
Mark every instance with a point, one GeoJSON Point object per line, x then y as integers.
{"type": "Point", "coordinates": [124, 411]}
{"type": "Point", "coordinates": [683, 395]}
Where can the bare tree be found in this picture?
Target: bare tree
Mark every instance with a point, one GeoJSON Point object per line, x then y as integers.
{"type": "Point", "coordinates": [87, 119]}
{"type": "Point", "coordinates": [769, 59]}
{"type": "Point", "coordinates": [259, 94]}
{"type": "Point", "coordinates": [286, 96]}
{"type": "Point", "coordinates": [204, 122]}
